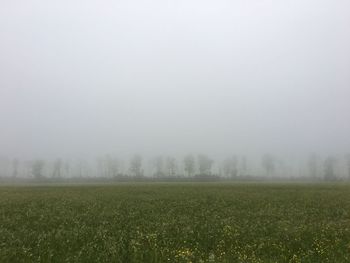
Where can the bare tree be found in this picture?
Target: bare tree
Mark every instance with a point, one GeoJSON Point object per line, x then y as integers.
{"type": "Point", "coordinates": [109, 166]}
{"type": "Point", "coordinates": [66, 168]}
{"type": "Point", "coordinates": [329, 165]}
{"type": "Point", "coordinates": [313, 164]}
{"type": "Point", "coordinates": [113, 167]}
{"type": "Point", "coordinates": [347, 159]}
{"type": "Point", "coordinates": [136, 165]}
{"type": "Point", "coordinates": [171, 166]}
{"type": "Point", "coordinates": [204, 164]}
{"type": "Point", "coordinates": [230, 167]}
{"type": "Point", "coordinates": [268, 164]}
{"type": "Point", "coordinates": [82, 168]}
{"type": "Point", "coordinates": [189, 165]}
{"type": "Point", "coordinates": [37, 169]}
{"type": "Point", "coordinates": [158, 164]}
{"type": "Point", "coordinates": [243, 166]}
{"type": "Point", "coordinates": [15, 167]}
{"type": "Point", "coordinates": [57, 168]}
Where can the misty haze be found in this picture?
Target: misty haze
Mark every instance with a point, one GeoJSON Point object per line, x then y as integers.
{"type": "Point", "coordinates": [175, 131]}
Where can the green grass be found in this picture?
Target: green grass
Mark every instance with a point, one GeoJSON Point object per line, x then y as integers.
{"type": "Point", "coordinates": [176, 223]}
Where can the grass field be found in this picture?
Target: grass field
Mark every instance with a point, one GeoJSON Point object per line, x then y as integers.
{"type": "Point", "coordinates": [175, 223]}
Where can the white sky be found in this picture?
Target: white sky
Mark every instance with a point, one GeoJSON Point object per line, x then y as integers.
{"type": "Point", "coordinates": [171, 77]}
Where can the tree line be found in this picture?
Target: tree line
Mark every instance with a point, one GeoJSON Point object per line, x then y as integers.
{"type": "Point", "coordinates": [315, 167]}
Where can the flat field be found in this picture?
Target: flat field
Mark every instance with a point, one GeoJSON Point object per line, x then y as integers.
{"type": "Point", "coordinates": [188, 222]}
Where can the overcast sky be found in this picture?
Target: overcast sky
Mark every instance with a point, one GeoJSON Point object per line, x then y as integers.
{"type": "Point", "coordinates": [85, 78]}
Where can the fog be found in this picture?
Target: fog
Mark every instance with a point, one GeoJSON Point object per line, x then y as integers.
{"type": "Point", "coordinates": [82, 79]}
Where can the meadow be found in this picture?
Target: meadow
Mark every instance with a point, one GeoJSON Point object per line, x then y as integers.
{"type": "Point", "coordinates": [176, 222]}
